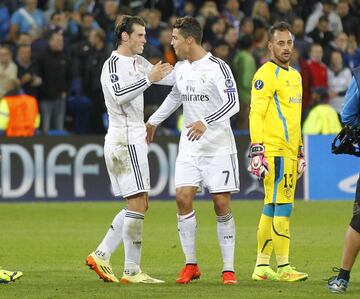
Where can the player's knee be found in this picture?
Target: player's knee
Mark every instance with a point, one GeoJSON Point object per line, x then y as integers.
{"type": "Point", "coordinates": [138, 203]}
{"type": "Point", "coordinates": [221, 205]}
{"type": "Point", "coordinates": [280, 226]}
{"type": "Point", "coordinates": [355, 221]}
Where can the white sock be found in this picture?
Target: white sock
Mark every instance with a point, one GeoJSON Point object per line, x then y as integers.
{"type": "Point", "coordinates": [113, 237]}
{"type": "Point", "coordinates": [132, 236]}
{"type": "Point", "coordinates": [187, 234]}
{"type": "Point", "coordinates": [226, 238]}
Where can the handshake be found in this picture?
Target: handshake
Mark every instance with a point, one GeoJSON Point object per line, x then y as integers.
{"type": "Point", "coordinates": [259, 166]}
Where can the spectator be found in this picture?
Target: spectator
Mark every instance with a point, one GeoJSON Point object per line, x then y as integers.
{"type": "Point", "coordinates": [317, 68]}
{"type": "Point", "coordinates": [326, 8]}
{"type": "Point", "coordinates": [352, 54]}
{"type": "Point", "coordinates": [166, 48]}
{"type": "Point", "coordinates": [23, 111]}
{"type": "Point", "coordinates": [88, 6]}
{"type": "Point", "coordinates": [29, 80]}
{"type": "Point", "coordinates": [221, 49]}
{"type": "Point", "coordinates": [92, 86]}
{"type": "Point", "coordinates": [4, 22]}
{"type": "Point", "coordinates": [339, 43]}
{"type": "Point", "coordinates": [339, 78]}
{"type": "Point", "coordinates": [27, 19]}
{"type": "Point", "coordinates": [8, 68]}
{"type": "Point", "coordinates": [299, 63]}
{"type": "Point", "coordinates": [107, 19]}
{"type": "Point", "coordinates": [231, 37]}
{"type": "Point", "coordinates": [247, 27]}
{"type": "Point", "coordinates": [282, 12]}
{"type": "Point", "coordinates": [232, 13]}
{"type": "Point", "coordinates": [350, 23]}
{"type": "Point", "coordinates": [214, 30]}
{"type": "Point", "coordinates": [55, 6]}
{"type": "Point", "coordinates": [322, 118]}
{"type": "Point", "coordinates": [154, 27]}
{"type": "Point", "coordinates": [301, 41]}
{"type": "Point", "coordinates": [207, 10]}
{"type": "Point", "coordinates": [55, 72]}
{"type": "Point", "coordinates": [80, 26]}
{"type": "Point", "coordinates": [261, 14]}
{"type": "Point", "coordinates": [321, 34]}
{"type": "Point", "coordinates": [259, 50]}
{"type": "Point", "coordinates": [244, 66]}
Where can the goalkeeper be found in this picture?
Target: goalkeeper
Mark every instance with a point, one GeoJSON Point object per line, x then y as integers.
{"type": "Point", "coordinates": [350, 116]}
{"type": "Point", "coordinates": [276, 152]}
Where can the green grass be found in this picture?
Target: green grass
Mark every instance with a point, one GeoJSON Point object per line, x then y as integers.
{"type": "Point", "coordinates": [49, 243]}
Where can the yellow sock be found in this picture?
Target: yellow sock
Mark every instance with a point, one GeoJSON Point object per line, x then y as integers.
{"type": "Point", "coordinates": [264, 240]}
{"type": "Point", "coordinates": [281, 239]}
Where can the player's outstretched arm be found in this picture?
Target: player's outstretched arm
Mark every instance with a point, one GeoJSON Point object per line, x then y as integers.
{"type": "Point", "coordinates": [159, 71]}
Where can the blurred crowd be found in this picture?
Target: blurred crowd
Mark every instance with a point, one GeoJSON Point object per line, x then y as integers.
{"type": "Point", "coordinates": [55, 49]}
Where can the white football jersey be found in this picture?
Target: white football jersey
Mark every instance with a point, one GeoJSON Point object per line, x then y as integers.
{"type": "Point", "coordinates": [123, 80]}
{"type": "Point", "coordinates": [207, 90]}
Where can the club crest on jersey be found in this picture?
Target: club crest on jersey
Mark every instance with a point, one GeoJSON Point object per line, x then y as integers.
{"type": "Point", "coordinates": [229, 83]}
{"type": "Point", "coordinates": [203, 78]}
{"type": "Point", "coordinates": [114, 78]}
{"type": "Point", "coordinates": [259, 84]}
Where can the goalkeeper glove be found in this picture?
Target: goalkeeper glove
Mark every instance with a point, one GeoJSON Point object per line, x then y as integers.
{"type": "Point", "coordinates": [301, 162]}
{"type": "Point", "coordinates": [258, 164]}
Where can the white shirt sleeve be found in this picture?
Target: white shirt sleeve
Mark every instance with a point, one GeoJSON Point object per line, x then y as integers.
{"type": "Point", "coordinates": [226, 88]}
{"type": "Point", "coordinates": [169, 105]}
{"type": "Point", "coordinates": [120, 92]}
{"type": "Point", "coordinates": [168, 80]}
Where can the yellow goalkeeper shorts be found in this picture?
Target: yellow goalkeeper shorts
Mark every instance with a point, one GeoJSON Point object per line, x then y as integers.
{"type": "Point", "coordinates": [280, 182]}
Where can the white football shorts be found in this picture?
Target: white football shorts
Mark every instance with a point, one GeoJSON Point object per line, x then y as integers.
{"type": "Point", "coordinates": [128, 168]}
{"type": "Point", "coordinates": [218, 173]}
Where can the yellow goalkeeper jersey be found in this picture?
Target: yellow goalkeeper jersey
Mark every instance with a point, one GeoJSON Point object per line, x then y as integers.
{"type": "Point", "coordinates": [275, 111]}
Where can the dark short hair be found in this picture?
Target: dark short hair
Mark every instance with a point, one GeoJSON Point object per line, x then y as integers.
{"type": "Point", "coordinates": [281, 26]}
{"type": "Point", "coordinates": [189, 27]}
{"type": "Point", "coordinates": [126, 25]}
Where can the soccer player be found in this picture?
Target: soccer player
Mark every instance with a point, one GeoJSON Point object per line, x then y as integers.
{"type": "Point", "coordinates": [350, 116]}
{"type": "Point", "coordinates": [207, 155]}
{"type": "Point", "coordinates": [276, 152]}
{"type": "Point", "coordinates": [124, 77]}
{"type": "Point", "coordinates": [9, 276]}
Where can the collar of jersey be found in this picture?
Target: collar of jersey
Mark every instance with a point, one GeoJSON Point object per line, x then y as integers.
{"type": "Point", "coordinates": [201, 59]}
{"type": "Point", "coordinates": [123, 57]}
{"type": "Point", "coordinates": [284, 68]}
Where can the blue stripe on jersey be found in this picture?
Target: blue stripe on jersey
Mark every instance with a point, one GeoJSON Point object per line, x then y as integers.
{"type": "Point", "coordinates": [121, 91]}
{"type": "Point", "coordinates": [231, 102]}
{"type": "Point", "coordinates": [281, 116]}
{"type": "Point", "coordinates": [279, 173]}
{"type": "Point", "coordinates": [277, 71]}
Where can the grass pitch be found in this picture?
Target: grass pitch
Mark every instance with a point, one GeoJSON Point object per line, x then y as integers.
{"type": "Point", "coordinates": [50, 241]}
